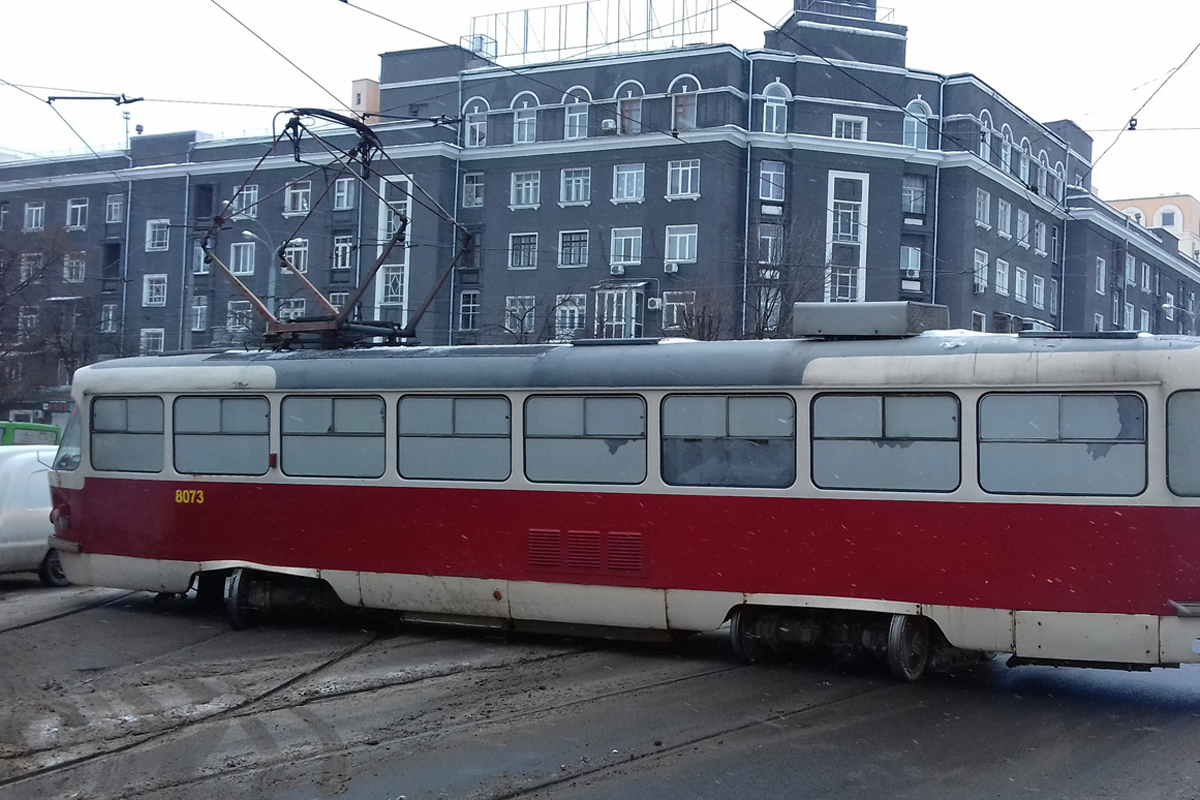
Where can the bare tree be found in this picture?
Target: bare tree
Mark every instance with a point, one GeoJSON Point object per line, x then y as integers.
{"type": "Point", "coordinates": [788, 264]}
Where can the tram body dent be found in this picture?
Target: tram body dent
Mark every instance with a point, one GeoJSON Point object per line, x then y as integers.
{"type": "Point", "coordinates": [1034, 496]}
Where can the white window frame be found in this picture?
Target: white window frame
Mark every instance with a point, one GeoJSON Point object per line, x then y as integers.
{"type": "Point", "coordinates": [575, 119]}
{"type": "Point", "coordinates": [1023, 228]}
{"type": "Point", "coordinates": [619, 253]}
{"type": "Point", "coordinates": [1097, 322]}
{"type": "Point", "coordinates": [154, 290]}
{"type": "Point", "coordinates": [525, 121]}
{"type": "Point", "coordinates": [477, 129]}
{"type": "Point", "coordinates": [1169, 306]}
{"type": "Point", "coordinates": [393, 284]}
{"type": "Point", "coordinates": [199, 313]}
{"type": "Point", "coordinates": [842, 121]}
{"type": "Point", "coordinates": [158, 235]}
{"type": "Point", "coordinates": [526, 190]}
{"type": "Point", "coordinates": [75, 267]}
{"type": "Point", "coordinates": [1001, 277]}
{"type": "Point", "coordinates": [241, 257]}
{"type": "Point", "coordinates": [1039, 237]}
{"type": "Point", "coordinates": [245, 204]}
{"type": "Point", "coordinates": [520, 313]}
{"type": "Point", "coordinates": [1039, 292]}
{"type": "Point", "coordinates": [683, 179]}
{"type": "Point", "coordinates": [628, 322]}
{"type": "Point", "coordinates": [468, 312]}
{"type": "Point", "coordinates": [146, 341]}
{"type": "Point", "coordinates": [570, 315]}
{"type": "Point", "coordinates": [629, 178]}
{"type": "Point", "coordinates": [473, 190]}
{"type": "Point", "coordinates": [910, 262]}
{"type": "Point", "coordinates": [772, 181]}
{"type": "Point", "coordinates": [77, 214]}
{"type": "Point", "coordinates": [1020, 285]}
{"type": "Point", "coordinates": [1146, 279]}
{"type": "Point", "coordinates": [108, 318]}
{"type": "Point", "coordinates": [981, 271]}
{"type": "Point", "coordinates": [1003, 218]}
{"type": "Point", "coordinates": [575, 187]}
{"type": "Point", "coordinates": [1127, 317]}
{"type": "Point", "coordinates": [562, 249]}
{"type": "Point", "coordinates": [297, 253]}
{"type": "Point", "coordinates": [114, 208]}
{"type": "Point", "coordinates": [343, 251]}
{"type": "Point", "coordinates": [343, 194]}
{"type": "Point", "coordinates": [1101, 285]}
{"type": "Point", "coordinates": [682, 244]}
{"type": "Point", "coordinates": [239, 314]}
{"type": "Point", "coordinates": [910, 193]}
{"type": "Point", "coordinates": [983, 209]}
{"type": "Point", "coordinates": [916, 125]}
{"type": "Point", "coordinates": [775, 109]}
{"type": "Point", "coordinates": [35, 216]}
{"type": "Point", "coordinates": [1144, 325]}
{"type": "Point", "coordinates": [290, 308]}
{"type": "Point", "coordinates": [512, 250]}
{"type": "Point", "coordinates": [338, 299]}
{"type": "Point", "coordinates": [676, 305]}
{"type": "Point", "coordinates": [297, 198]}
{"type": "Point", "coordinates": [861, 217]}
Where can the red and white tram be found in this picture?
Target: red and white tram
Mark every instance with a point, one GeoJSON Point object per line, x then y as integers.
{"type": "Point", "coordinates": [919, 497]}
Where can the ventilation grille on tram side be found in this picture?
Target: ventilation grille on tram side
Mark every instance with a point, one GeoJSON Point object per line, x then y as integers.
{"type": "Point", "coordinates": [590, 552]}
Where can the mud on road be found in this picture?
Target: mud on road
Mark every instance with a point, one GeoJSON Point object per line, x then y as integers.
{"type": "Point", "coordinates": [110, 694]}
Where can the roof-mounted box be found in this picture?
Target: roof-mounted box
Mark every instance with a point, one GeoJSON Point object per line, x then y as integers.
{"type": "Point", "coordinates": [867, 320]}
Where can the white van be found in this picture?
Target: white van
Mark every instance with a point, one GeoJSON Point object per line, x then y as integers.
{"type": "Point", "coordinates": [25, 523]}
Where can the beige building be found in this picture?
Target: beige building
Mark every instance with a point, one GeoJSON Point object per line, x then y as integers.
{"type": "Point", "coordinates": [1178, 214]}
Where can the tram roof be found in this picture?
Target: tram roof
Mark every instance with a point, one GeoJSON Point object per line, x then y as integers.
{"type": "Point", "coordinates": [943, 357]}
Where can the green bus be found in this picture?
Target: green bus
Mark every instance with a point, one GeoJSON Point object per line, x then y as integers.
{"type": "Point", "coordinates": [27, 433]}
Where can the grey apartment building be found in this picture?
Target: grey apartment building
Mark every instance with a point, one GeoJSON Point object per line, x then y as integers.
{"type": "Point", "coordinates": [694, 191]}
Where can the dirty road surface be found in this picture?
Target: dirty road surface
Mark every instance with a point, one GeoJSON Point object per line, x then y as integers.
{"type": "Point", "coordinates": [112, 694]}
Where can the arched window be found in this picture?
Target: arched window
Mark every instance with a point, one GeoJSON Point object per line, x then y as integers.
{"type": "Point", "coordinates": [475, 113]}
{"type": "Point", "coordinates": [575, 118]}
{"type": "Point", "coordinates": [525, 106]}
{"type": "Point", "coordinates": [1026, 153]}
{"type": "Point", "coordinates": [985, 135]}
{"type": "Point", "coordinates": [775, 108]}
{"type": "Point", "coordinates": [683, 90]}
{"type": "Point", "coordinates": [1006, 145]}
{"type": "Point", "coordinates": [1043, 170]}
{"type": "Point", "coordinates": [916, 124]}
{"type": "Point", "coordinates": [1169, 217]}
{"type": "Point", "coordinates": [629, 107]}
{"type": "Point", "coordinates": [1060, 180]}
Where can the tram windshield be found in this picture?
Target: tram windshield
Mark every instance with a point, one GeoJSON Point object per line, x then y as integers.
{"type": "Point", "coordinates": [67, 458]}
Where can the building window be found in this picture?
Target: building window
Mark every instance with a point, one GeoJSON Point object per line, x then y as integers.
{"type": "Point", "coordinates": [1054, 244]}
{"type": "Point", "coordinates": [1023, 228]}
{"type": "Point", "coordinates": [1006, 151]}
{"type": "Point", "coordinates": [916, 125]}
{"type": "Point", "coordinates": [296, 197]}
{"type": "Point", "coordinates": [913, 194]}
{"type": "Point", "coordinates": [473, 190]}
{"type": "Point", "coordinates": [158, 234]}
{"type": "Point", "coordinates": [576, 186]}
{"type": "Point", "coordinates": [1168, 219]}
{"type": "Point", "coordinates": [626, 246]}
{"type": "Point", "coordinates": [771, 181]}
{"type": "Point", "coordinates": [245, 202]}
{"type": "Point", "coordinates": [576, 119]}
{"type": "Point", "coordinates": [981, 271]}
{"type": "Point", "coordinates": [1004, 218]}
{"type": "Point", "coordinates": [910, 263]}
{"type": "Point", "coordinates": [200, 312]}
{"type": "Point", "coordinates": [3, 217]}
{"type": "Point", "coordinates": [522, 251]}
{"type": "Point", "coordinates": [27, 322]}
{"type": "Point", "coordinates": [241, 258]}
{"type": "Point", "coordinates": [1130, 270]}
{"type": "Point", "coordinates": [983, 208]}
{"type": "Point", "coordinates": [985, 136]}
{"type": "Point", "coordinates": [525, 124]}
{"type": "Point", "coordinates": [468, 310]}
{"type": "Point", "coordinates": [393, 277]}
{"type": "Point", "coordinates": [151, 341]}
{"type": "Point", "coordinates": [154, 290]}
{"type": "Point", "coordinates": [1053, 296]}
{"type": "Point", "coordinates": [74, 268]}
{"type": "Point", "coordinates": [1001, 277]}
{"type": "Point", "coordinates": [1128, 317]}
{"type": "Point", "coordinates": [775, 109]}
{"type": "Point", "coordinates": [1019, 285]}
{"type": "Point", "coordinates": [770, 243]}
{"type": "Point", "coordinates": [629, 183]}
{"type": "Point", "coordinates": [114, 208]}
{"type": "Point", "coordinates": [1097, 322]}
{"type": "Point", "coordinates": [476, 129]}
{"type": "Point", "coordinates": [297, 254]}
{"type": "Point", "coordinates": [1023, 163]}
{"type": "Point", "coordinates": [845, 275]}
{"type": "Point", "coordinates": [338, 299]}
{"type": "Point", "coordinates": [1116, 308]}
{"type": "Point", "coordinates": [854, 128]}
{"type": "Point", "coordinates": [108, 318]}
{"type": "Point", "coordinates": [32, 265]}
{"type": "Point", "coordinates": [619, 313]}
{"type": "Point", "coordinates": [1146, 279]}
{"type": "Point", "coordinates": [1169, 306]}
{"type": "Point", "coordinates": [77, 214]}
{"type": "Point", "coordinates": [1145, 326]}
{"type": "Point", "coordinates": [1039, 291]}
{"type": "Point", "coordinates": [683, 117]}
{"type": "Point", "coordinates": [291, 308]}
{"type": "Point", "coordinates": [1039, 238]}
{"type": "Point", "coordinates": [343, 194]}
{"type": "Point", "coordinates": [519, 313]}
{"type": "Point", "coordinates": [629, 109]}
{"type": "Point", "coordinates": [573, 249]}
{"type": "Point", "coordinates": [343, 252]}
{"type": "Point", "coordinates": [526, 189]}
{"type": "Point", "coordinates": [1101, 285]}
{"type": "Point", "coordinates": [570, 316]}
{"type": "Point", "coordinates": [35, 216]}
{"type": "Point", "coordinates": [238, 315]}
{"type": "Point", "coordinates": [683, 178]}
{"type": "Point", "coordinates": [678, 309]}
{"type": "Point", "coordinates": [978, 322]}
{"type": "Point", "coordinates": [681, 243]}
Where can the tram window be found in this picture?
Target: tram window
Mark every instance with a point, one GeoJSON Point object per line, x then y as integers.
{"type": "Point", "coordinates": [222, 435]}
{"type": "Point", "coordinates": [127, 434]}
{"type": "Point", "coordinates": [1062, 444]}
{"type": "Point", "coordinates": [455, 438]}
{"type": "Point", "coordinates": [719, 440]}
{"type": "Point", "coordinates": [332, 437]}
{"type": "Point", "coordinates": [585, 439]}
{"type": "Point", "coordinates": [1183, 443]}
{"type": "Point", "coordinates": [886, 442]}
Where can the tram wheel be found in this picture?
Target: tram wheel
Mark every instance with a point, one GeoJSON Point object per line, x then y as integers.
{"type": "Point", "coordinates": [748, 646]}
{"type": "Point", "coordinates": [237, 605]}
{"type": "Point", "coordinates": [908, 646]}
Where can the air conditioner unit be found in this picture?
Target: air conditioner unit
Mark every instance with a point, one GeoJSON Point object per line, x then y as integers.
{"type": "Point", "coordinates": [608, 125]}
{"type": "Point", "coordinates": [617, 269]}
{"type": "Point", "coordinates": [654, 303]}
{"type": "Point", "coordinates": [912, 273]}
{"type": "Point", "coordinates": [670, 267]}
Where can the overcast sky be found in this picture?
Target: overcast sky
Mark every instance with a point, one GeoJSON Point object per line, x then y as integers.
{"type": "Point", "coordinates": [1095, 63]}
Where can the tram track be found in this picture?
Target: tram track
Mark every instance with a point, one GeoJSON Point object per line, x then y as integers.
{"type": "Point", "coordinates": [78, 610]}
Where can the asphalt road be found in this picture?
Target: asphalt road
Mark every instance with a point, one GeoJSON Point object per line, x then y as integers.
{"type": "Point", "coordinates": [109, 694]}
